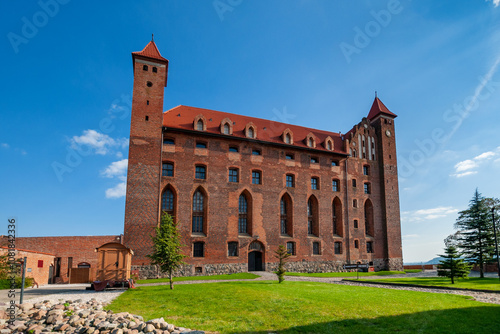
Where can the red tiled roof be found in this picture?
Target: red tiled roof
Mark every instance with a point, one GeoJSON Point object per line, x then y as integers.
{"type": "Point", "coordinates": [379, 108]}
{"type": "Point", "coordinates": [182, 117]}
{"type": "Point", "coordinates": [150, 51]}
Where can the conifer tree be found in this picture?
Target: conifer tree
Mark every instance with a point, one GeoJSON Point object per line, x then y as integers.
{"type": "Point", "coordinates": [167, 247]}
{"type": "Point", "coordinates": [452, 265]}
{"type": "Point", "coordinates": [476, 240]}
{"type": "Point", "coordinates": [281, 254]}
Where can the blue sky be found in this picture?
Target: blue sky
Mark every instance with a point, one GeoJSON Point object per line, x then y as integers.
{"type": "Point", "coordinates": [67, 83]}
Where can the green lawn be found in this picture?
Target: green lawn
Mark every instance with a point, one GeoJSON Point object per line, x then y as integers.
{"type": "Point", "coordinates": [470, 283]}
{"type": "Point", "coordinates": [412, 271]}
{"type": "Point", "coordinates": [307, 307]}
{"type": "Point", "coordinates": [200, 278]}
{"type": "Point", "coordinates": [347, 274]}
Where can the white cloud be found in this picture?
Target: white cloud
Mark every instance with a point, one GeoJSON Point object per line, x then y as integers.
{"type": "Point", "coordinates": [101, 143]}
{"type": "Point", "coordinates": [428, 214]}
{"type": "Point", "coordinates": [496, 2]}
{"type": "Point", "coordinates": [116, 169]}
{"type": "Point", "coordinates": [465, 165]}
{"type": "Point", "coordinates": [117, 191]}
{"type": "Point", "coordinates": [459, 175]}
{"type": "Point", "coordinates": [5, 145]}
{"type": "Point", "coordinates": [486, 155]}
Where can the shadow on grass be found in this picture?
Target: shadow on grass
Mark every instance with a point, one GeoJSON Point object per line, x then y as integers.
{"type": "Point", "coordinates": [484, 319]}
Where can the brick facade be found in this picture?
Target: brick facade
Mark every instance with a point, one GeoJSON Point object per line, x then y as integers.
{"type": "Point", "coordinates": [74, 249]}
{"type": "Point", "coordinates": [367, 220]}
{"type": "Point", "coordinates": [37, 264]}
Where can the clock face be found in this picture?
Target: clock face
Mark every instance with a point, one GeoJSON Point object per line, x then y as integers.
{"type": "Point", "coordinates": [388, 133]}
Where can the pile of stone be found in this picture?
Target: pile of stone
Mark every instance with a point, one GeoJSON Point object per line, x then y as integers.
{"type": "Point", "coordinates": [80, 317]}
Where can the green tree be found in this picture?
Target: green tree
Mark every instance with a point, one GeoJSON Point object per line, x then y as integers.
{"type": "Point", "coordinates": [452, 265]}
{"type": "Point", "coordinates": [167, 247]}
{"type": "Point", "coordinates": [281, 254]}
{"type": "Point", "coordinates": [476, 240]}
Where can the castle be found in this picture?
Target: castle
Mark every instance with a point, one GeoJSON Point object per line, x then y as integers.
{"type": "Point", "coordinates": [238, 186]}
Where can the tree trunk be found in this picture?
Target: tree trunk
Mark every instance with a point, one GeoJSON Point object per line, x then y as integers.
{"type": "Point", "coordinates": [171, 280]}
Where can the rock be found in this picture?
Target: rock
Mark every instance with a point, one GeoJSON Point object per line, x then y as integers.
{"type": "Point", "coordinates": [3, 314]}
{"type": "Point", "coordinates": [117, 331]}
{"type": "Point", "coordinates": [149, 328]}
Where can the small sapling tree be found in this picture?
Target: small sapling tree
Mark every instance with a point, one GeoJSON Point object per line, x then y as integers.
{"type": "Point", "coordinates": [281, 254]}
{"type": "Point", "coordinates": [452, 266]}
{"type": "Point", "coordinates": [167, 247]}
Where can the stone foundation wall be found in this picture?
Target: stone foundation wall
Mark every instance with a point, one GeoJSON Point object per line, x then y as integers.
{"type": "Point", "coordinates": [149, 272]}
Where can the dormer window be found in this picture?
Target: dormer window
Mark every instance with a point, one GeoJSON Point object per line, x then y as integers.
{"type": "Point", "coordinates": [226, 126]}
{"type": "Point", "coordinates": [199, 125]}
{"type": "Point", "coordinates": [310, 141]}
{"type": "Point", "coordinates": [250, 131]}
{"type": "Point", "coordinates": [287, 136]}
{"type": "Point", "coordinates": [329, 143]}
{"type": "Point", "coordinates": [226, 129]}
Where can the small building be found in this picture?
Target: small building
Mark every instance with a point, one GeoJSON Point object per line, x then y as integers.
{"type": "Point", "coordinates": [114, 261]}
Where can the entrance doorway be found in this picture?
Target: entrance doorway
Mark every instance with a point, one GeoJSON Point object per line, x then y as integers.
{"type": "Point", "coordinates": [255, 261]}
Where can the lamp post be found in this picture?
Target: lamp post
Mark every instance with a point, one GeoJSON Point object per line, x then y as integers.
{"type": "Point", "coordinates": [496, 241]}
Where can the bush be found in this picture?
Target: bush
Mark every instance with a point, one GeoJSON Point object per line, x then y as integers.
{"type": "Point", "coordinates": [5, 283]}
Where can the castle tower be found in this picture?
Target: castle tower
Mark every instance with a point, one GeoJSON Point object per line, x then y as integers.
{"type": "Point", "coordinates": [383, 121]}
{"type": "Point", "coordinates": [144, 158]}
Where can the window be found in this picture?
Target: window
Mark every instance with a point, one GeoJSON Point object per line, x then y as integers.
{"type": "Point", "coordinates": [314, 183]}
{"type": "Point", "coordinates": [201, 144]}
{"type": "Point", "coordinates": [335, 185]}
{"type": "Point", "coordinates": [167, 169]}
{"type": "Point", "coordinates": [354, 183]}
{"type": "Point", "coordinates": [168, 141]}
{"type": "Point", "coordinates": [356, 243]}
{"type": "Point", "coordinates": [310, 142]}
{"type": "Point", "coordinates": [290, 180]}
{"type": "Point", "coordinates": [286, 215]}
{"type": "Point", "coordinates": [198, 270]}
{"type": "Point", "coordinates": [354, 154]}
{"type": "Point", "coordinates": [335, 163]}
{"type": "Point", "coordinates": [198, 212]}
{"type": "Point", "coordinates": [147, 118]}
{"type": "Point", "coordinates": [199, 125]}
{"type": "Point", "coordinates": [356, 224]}
{"type": "Point", "coordinates": [155, 69]}
{"type": "Point", "coordinates": [290, 247]}
{"type": "Point", "coordinates": [243, 214]}
{"type": "Point", "coordinates": [149, 84]}
{"type": "Point", "coordinates": [256, 152]}
{"type": "Point", "coordinates": [366, 170]}
{"type": "Point", "coordinates": [167, 201]}
{"type": "Point", "coordinates": [251, 132]}
{"type": "Point", "coordinates": [233, 149]}
{"type": "Point", "coordinates": [201, 172]}
{"type": "Point", "coordinates": [198, 249]}
{"type": "Point", "coordinates": [288, 138]}
{"type": "Point", "coordinates": [354, 203]}
{"type": "Point", "coordinates": [329, 145]}
{"type": "Point", "coordinates": [144, 67]}
{"type": "Point", "coordinates": [314, 160]}
{"type": "Point", "coordinates": [232, 248]}
{"type": "Point", "coordinates": [338, 247]}
{"type": "Point", "coordinates": [369, 246]}
{"type": "Point", "coordinates": [310, 218]}
{"type": "Point", "coordinates": [40, 263]}
{"type": "Point", "coordinates": [316, 248]}
{"type": "Point", "coordinates": [289, 156]}
{"type": "Point", "coordinates": [233, 175]}
{"type": "Point", "coordinates": [367, 188]}
{"type": "Point", "coordinates": [256, 177]}
{"type": "Point", "coordinates": [226, 129]}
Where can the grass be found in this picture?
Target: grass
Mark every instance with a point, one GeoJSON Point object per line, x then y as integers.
{"type": "Point", "coordinates": [412, 271]}
{"type": "Point", "coordinates": [348, 274]}
{"type": "Point", "coordinates": [307, 307]}
{"type": "Point", "coordinates": [200, 278]}
{"type": "Point", "coordinates": [469, 283]}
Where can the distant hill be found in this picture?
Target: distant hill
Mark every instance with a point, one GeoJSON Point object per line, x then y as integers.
{"type": "Point", "coordinates": [433, 261]}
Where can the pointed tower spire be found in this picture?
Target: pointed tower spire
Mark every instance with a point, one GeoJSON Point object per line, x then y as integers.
{"type": "Point", "coordinates": [150, 53]}
{"type": "Point", "coordinates": [379, 108]}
